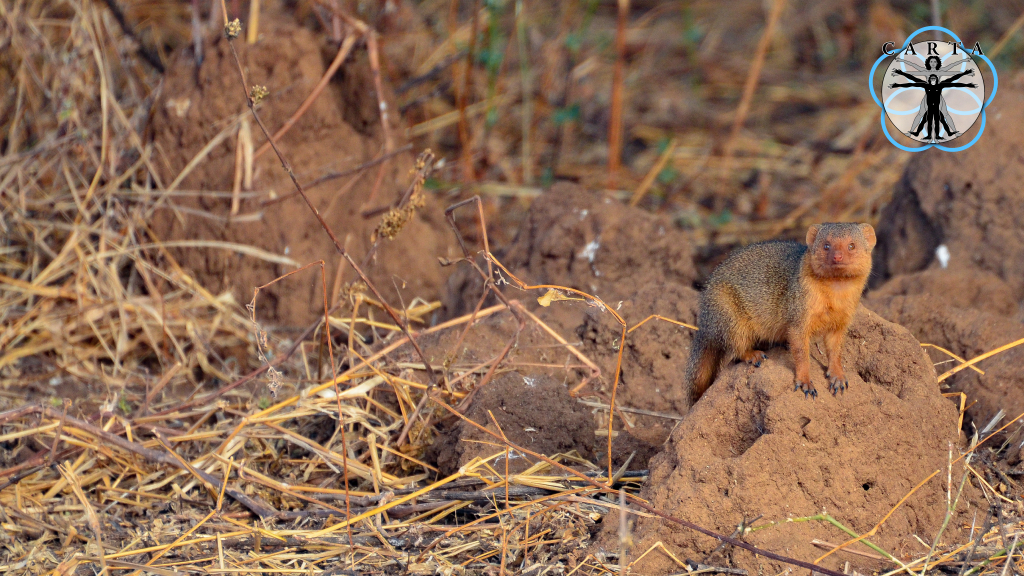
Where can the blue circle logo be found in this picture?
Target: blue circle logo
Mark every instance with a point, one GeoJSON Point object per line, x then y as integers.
{"type": "Point", "coordinates": [933, 91]}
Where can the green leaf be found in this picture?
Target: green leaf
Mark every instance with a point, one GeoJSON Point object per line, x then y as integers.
{"type": "Point", "coordinates": [667, 175]}
{"type": "Point", "coordinates": [567, 114]}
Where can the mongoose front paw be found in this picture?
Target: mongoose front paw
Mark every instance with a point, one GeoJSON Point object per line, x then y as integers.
{"type": "Point", "coordinates": [754, 357]}
{"type": "Point", "coordinates": [837, 384]}
{"type": "Point", "coordinates": [807, 387]}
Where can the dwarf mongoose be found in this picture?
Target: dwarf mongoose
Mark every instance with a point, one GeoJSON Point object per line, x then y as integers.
{"type": "Point", "coordinates": [782, 291]}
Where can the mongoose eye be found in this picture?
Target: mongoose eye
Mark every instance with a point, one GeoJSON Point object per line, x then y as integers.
{"type": "Point", "coordinates": [827, 246]}
{"type": "Point", "coordinates": [852, 246]}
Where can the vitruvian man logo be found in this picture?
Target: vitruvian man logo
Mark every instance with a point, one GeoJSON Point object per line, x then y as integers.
{"type": "Point", "coordinates": [933, 91]}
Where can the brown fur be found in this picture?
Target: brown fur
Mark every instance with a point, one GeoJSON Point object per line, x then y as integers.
{"type": "Point", "coordinates": [783, 291]}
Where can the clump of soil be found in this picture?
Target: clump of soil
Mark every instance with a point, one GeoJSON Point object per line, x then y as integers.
{"type": "Point", "coordinates": [535, 412]}
{"type": "Point", "coordinates": [527, 392]}
{"type": "Point", "coordinates": [339, 131]}
{"type": "Point", "coordinates": [580, 239]}
{"type": "Point", "coordinates": [752, 446]}
{"type": "Point", "coordinates": [970, 201]}
{"type": "Point", "coordinates": [941, 307]}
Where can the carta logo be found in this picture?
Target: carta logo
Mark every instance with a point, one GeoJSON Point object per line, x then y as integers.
{"type": "Point", "coordinates": [933, 91]}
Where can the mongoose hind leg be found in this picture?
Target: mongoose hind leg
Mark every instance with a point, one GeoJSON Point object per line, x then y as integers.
{"type": "Point", "coordinates": [743, 338]}
{"type": "Point", "coordinates": [754, 357]}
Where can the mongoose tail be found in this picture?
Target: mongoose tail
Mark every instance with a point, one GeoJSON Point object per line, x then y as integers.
{"type": "Point", "coordinates": [705, 359]}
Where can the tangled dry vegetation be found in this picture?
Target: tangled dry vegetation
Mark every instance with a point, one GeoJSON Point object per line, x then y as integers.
{"type": "Point", "coordinates": [163, 475]}
{"type": "Point", "coordinates": [146, 448]}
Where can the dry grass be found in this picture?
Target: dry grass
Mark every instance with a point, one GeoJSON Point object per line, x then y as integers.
{"type": "Point", "coordinates": [84, 282]}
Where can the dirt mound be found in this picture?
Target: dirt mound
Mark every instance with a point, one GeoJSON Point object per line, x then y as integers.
{"type": "Point", "coordinates": [971, 202]}
{"type": "Point", "coordinates": [939, 307]}
{"type": "Point", "coordinates": [580, 239]}
{"type": "Point", "coordinates": [527, 392]}
{"type": "Point", "coordinates": [339, 131]}
{"type": "Point", "coordinates": [752, 446]}
{"type": "Point", "coordinates": [529, 395]}
{"type": "Point", "coordinates": [535, 412]}
{"type": "Point", "coordinates": [654, 359]}
{"type": "Point", "coordinates": [962, 288]}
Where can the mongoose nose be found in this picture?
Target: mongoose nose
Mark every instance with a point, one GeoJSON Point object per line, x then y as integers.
{"type": "Point", "coordinates": [837, 257]}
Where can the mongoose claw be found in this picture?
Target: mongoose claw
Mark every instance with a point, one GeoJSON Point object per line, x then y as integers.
{"type": "Point", "coordinates": [808, 389]}
{"type": "Point", "coordinates": [836, 384]}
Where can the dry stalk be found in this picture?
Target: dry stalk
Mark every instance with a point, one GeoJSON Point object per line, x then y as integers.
{"type": "Point", "coordinates": [615, 124]}
{"type": "Point", "coordinates": [753, 76]}
{"type": "Point", "coordinates": [462, 96]}
{"type": "Point", "coordinates": [323, 224]}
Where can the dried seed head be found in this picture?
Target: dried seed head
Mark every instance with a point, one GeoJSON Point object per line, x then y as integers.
{"type": "Point", "coordinates": [258, 93]}
{"type": "Point", "coordinates": [233, 29]}
{"type": "Point", "coordinates": [392, 222]}
{"type": "Point", "coordinates": [353, 289]}
{"type": "Point", "coordinates": [396, 218]}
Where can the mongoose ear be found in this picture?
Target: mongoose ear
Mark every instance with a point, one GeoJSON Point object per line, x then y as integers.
{"type": "Point", "coordinates": [812, 233]}
{"type": "Point", "coordinates": [869, 234]}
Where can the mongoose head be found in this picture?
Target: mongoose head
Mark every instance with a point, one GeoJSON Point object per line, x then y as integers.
{"type": "Point", "coordinates": [840, 250]}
